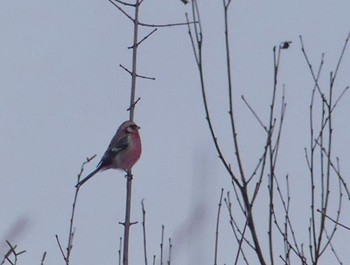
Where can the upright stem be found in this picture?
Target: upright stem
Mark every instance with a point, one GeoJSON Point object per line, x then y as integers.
{"type": "Point", "coordinates": [129, 176]}
{"type": "Point", "coordinates": [134, 60]}
{"type": "Point", "coordinates": [127, 223]}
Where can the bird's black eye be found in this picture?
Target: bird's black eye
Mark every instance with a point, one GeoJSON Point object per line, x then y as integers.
{"type": "Point", "coordinates": [131, 128]}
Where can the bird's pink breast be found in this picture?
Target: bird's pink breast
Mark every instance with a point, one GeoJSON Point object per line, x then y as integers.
{"type": "Point", "coordinates": [133, 154]}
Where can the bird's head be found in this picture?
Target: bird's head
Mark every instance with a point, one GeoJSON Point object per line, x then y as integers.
{"type": "Point", "coordinates": [130, 127]}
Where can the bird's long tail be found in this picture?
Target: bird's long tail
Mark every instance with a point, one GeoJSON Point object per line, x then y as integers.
{"type": "Point", "coordinates": [81, 182]}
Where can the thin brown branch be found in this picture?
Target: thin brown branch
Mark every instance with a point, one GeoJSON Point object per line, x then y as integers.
{"type": "Point", "coordinates": [169, 254]}
{"type": "Point", "coordinates": [238, 234]}
{"type": "Point", "coordinates": [127, 222]}
{"type": "Point", "coordinates": [144, 232]}
{"type": "Point", "coordinates": [11, 251]}
{"type": "Point", "coordinates": [161, 245]}
{"type": "Point", "coordinates": [136, 6]}
{"type": "Point", "coordinates": [311, 70]}
{"type": "Point", "coordinates": [340, 97]}
{"type": "Point", "coordinates": [240, 248]}
{"type": "Point", "coordinates": [192, 40]}
{"type": "Point", "coordinates": [336, 170]}
{"type": "Point", "coordinates": [122, 10]}
{"type": "Point", "coordinates": [166, 25]}
{"type": "Point", "coordinates": [43, 258]}
{"type": "Point", "coordinates": [230, 96]}
{"type": "Point", "coordinates": [333, 249]}
{"type": "Point", "coordinates": [61, 249]}
{"type": "Point", "coordinates": [334, 221]}
{"type": "Point", "coordinates": [137, 75]}
{"type": "Point", "coordinates": [120, 251]}
{"type": "Point", "coordinates": [14, 252]}
{"type": "Point", "coordinates": [144, 38]}
{"type": "Point", "coordinates": [124, 3]}
{"type": "Point", "coordinates": [217, 229]}
{"type": "Point", "coordinates": [66, 255]}
{"type": "Point", "coordinates": [254, 114]}
{"type": "Point", "coordinates": [133, 105]}
{"type": "Point", "coordinates": [334, 229]}
{"type": "Point", "coordinates": [197, 41]}
{"type": "Point", "coordinates": [273, 148]}
{"type": "Point", "coordinates": [291, 245]}
{"type": "Point", "coordinates": [340, 60]}
{"type": "Point", "coordinates": [134, 70]}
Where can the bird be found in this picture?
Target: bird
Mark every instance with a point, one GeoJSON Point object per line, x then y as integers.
{"type": "Point", "coordinates": [123, 151]}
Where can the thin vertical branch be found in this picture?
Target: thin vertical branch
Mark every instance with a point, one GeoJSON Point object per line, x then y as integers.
{"type": "Point", "coordinates": [311, 158]}
{"type": "Point", "coordinates": [196, 39]}
{"type": "Point", "coordinates": [217, 229]}
{"type": "Point", "coordinates": [134, 61]}
{"type": "Point", "coordinates": [120, 251]}
{"type": "Point", "coordinates": [127, 222]}
{"type": "Point", "coordinates": [161, 246]}
{"type": "Point", "coordinates": [129, 175]}
{"type": "Point", "coordinates": [271, 174]}
{"type": "Point", "coordinates": [169, 255]}
{"type": "Point", "coordinates": [273, 148]}
{"type": "Point", "coordinates": [144, 232]}
{"type": "Point", "coordinates": [230, 92]}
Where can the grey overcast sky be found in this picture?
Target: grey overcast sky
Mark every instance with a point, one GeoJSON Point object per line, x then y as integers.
{"type": "Point", "coordinates": [62, 96]}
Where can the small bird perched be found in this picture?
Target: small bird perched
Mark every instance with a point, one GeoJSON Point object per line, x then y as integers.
{"type": "Point", "coordinates": [123, 151]}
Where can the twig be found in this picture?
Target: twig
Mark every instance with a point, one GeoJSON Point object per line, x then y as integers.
{"type": "Point", "coordinates": [336, 170]}
{"type": "Point", "coordinates": [288, 223]}
{"type": "Point", "coordinates": [254, 113]}
{"type": "Point", "coordinates": [120, 251]}
{"type": "Point", "coordinates": [333, 249]}
{"type": "Point", "coordinates": [161, 246]}
{"type": "Point", "coordinates": [217, 228]}
{"type": "Point", "coordinates": [230, 97]}
{"type": "Point", "coordinates": [133, 105]}
{"type": "Point", "coordinates": [145, 38]}
{"type": "Point", "coordinates": [334, 221]}
{"type": "Point", "coordinates": [235, 226]}
{"type": "Point", "coordinates": [311, 70]}
{"type": "Point", "coordinates": [134, 67]}
{"type": "Point", "coordinates": [137, 75]}
{"type": "Point", "coordinates": [124, 3]}
{"type": "Point", "coordinates": [196, 41]}
{"type": "Point", "coordinates": [148, 24]}
{"type": "Point", "coordinates": [122, 10]}
{"type": "Point", "coordinates": [61, 249]}
{"type": "Point", "coordinates": [144, 231]}
{"type": "Point", "coordinates": [12, 250]}
{"type": "Point", "coordinates": [340, 60]}
{"type": "Point", "coordinates": [127, 222]}
{"type": "Point", "coordinates": [169, 255]}
{"type": "Point", "coordinates": [340, 97]}
{"type": "Point", "coordinates": [69, 247]}
{"type": "Point", "coordinates": [43, 258]}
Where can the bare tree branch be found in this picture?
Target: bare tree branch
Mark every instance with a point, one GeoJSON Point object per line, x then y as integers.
{"type": "Point", "coordinates": [217, 229]}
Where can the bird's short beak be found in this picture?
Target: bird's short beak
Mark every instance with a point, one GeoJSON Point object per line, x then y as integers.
{"type": "Point", "coordinates": [138, 127]}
